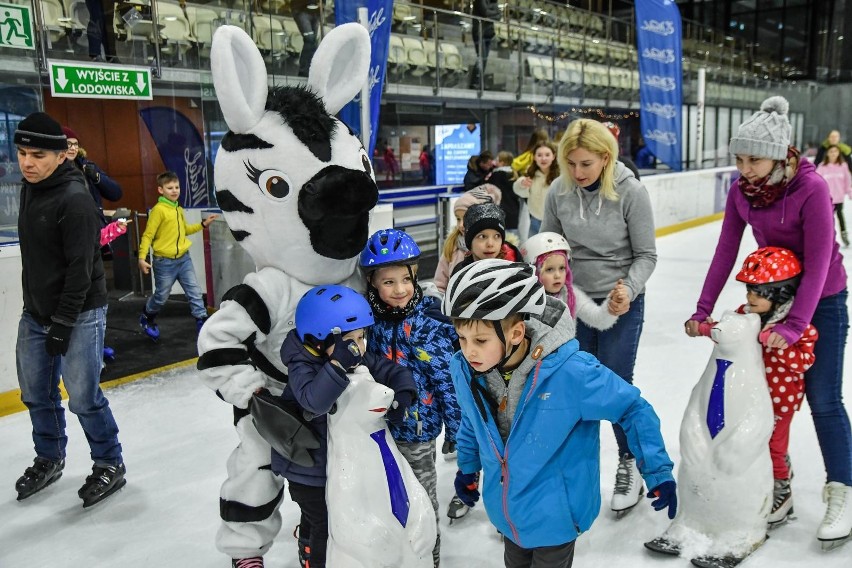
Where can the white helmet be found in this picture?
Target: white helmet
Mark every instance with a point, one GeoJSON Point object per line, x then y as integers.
{"type": "Point", "coordinates": [493, 289]}
{"type": "Point", "coordinates": [543, 243]}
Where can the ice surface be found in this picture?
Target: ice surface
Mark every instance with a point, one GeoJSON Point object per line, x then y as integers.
{"type": "Point", "coordinates": [177, 435]}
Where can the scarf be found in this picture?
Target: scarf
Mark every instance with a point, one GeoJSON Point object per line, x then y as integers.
{"type": "Point", "coordinates": [768, 189]}
{"type": "Point", "coordinates": [386, 312]}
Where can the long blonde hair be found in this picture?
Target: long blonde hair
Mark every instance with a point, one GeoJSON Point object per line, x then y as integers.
{"type": "Point", "coordinates": [594, 137]}
{"type": "Point", "coordinates": [450, 244]}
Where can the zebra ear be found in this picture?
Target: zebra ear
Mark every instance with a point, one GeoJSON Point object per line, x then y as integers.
{"type": "Point", "coordinates": [239, 76]}
{"type": "Point", "coordinates": [340, 65]}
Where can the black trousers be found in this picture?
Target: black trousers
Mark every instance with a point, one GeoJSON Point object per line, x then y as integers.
{"type": "Point", "coordinates": [560, 556]}
{"type": "Point", "coordinates": [314, 523]}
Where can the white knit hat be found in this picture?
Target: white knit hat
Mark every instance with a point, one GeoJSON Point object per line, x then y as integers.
{"type": "Point", "coordinates": [766, 134]}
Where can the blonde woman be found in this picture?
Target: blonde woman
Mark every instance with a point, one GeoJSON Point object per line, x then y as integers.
{"type": "Point", "coordinates": [605, 214]}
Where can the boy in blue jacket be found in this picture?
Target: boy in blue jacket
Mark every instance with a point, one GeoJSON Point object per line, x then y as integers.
{"type": "Point", "coordinates": [411, 330]}
{"type": "Point", "coordinates": [327, 342]}
{"type": "Point", "coordinates": [531, 405]}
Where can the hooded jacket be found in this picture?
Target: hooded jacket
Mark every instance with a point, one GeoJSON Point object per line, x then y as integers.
{"type": "Point", "coordinates": [610, 240]}
{"type": "Point", "coordinates": [314, 384]}
{"type": "Point", "coordinates": [59, 226]}
{"type": "Point", "coordinates": [540, 456]}
{"type": "Point", "coordinates": [801, 220]}
{"type": "Point", "coordinates": [423, 342]}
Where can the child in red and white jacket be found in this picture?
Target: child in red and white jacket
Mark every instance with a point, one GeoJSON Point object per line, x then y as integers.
{"type": "Point", "coordinates": [771, 276]}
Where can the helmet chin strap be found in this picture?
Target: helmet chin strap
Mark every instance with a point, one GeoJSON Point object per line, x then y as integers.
{"type": "Point", "coordinates": [510, 351]}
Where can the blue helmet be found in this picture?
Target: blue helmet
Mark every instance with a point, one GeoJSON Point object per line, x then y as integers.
{"type": "Point", "coordinates": [387, 247]}
{"type": "Point", "coordinates": [325, 310]}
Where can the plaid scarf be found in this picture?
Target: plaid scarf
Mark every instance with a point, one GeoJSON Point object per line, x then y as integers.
{"type": "Point", "coordinates": [767, 189]}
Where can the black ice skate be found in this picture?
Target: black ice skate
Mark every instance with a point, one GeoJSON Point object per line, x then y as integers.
{"type": "Point", "coordinates": [103, 482]}
{"type": "Point", "coordinates": [662, 545]}
{"type": "Point", "coordinates": [457, 509]}
{"type": "Point", "coordinates": [42, 473]}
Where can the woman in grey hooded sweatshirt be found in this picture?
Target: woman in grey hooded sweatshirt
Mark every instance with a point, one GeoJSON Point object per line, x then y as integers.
{"type": "Point", "coordinates": [605, 214]}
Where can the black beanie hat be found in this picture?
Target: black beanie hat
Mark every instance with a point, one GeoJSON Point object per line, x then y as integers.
{"type": "Point", "coordinates": [39, 130]}
{"type": "Point", "coordinates": [483, 216]}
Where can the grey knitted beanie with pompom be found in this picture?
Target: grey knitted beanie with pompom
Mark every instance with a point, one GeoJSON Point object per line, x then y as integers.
{"type": "Point", "coordinates": [766, 134]}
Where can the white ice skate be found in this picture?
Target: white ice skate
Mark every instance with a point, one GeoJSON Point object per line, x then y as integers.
{"type": "Point", "coordinates": [628, 487]}
{"type": "Point", "coordinates": [836, 527]}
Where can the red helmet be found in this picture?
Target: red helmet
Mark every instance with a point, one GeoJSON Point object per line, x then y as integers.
{"type": "Point", "coordinates": [768, 265]}
{"type": "Point", "coordinates": [613, 128]}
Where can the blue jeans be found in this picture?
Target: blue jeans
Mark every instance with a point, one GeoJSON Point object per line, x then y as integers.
{"type": "Point", "coordinates": [80, 367]}
{"type": "Point", "coordinates": [824, 388]}
{"type": "Point", "coordinates": [166, 271]}
{"type": "Point", "coordinates": [616, 349]}
{"type": "Point", "coordinates": [535, 226]}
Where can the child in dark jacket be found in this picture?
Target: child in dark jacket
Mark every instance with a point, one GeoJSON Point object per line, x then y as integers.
{"type": "Point", "coordinates": [410, 330]}
{"type": "Point", "coordinates": [327, 342]}
{"type": "Point", "coordinates": [485, 235]}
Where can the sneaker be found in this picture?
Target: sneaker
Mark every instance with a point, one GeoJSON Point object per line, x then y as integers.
{"type": "Point", "coordinates": [782, 502]}
{"type": "Point", "coordinates": [253, 562]}
{"type": "Point", "coordinates": [42, 473]}
{"type": "Point", "coordinates": [836, 526]}
{"type": "Point", "coordinates": [104, 481]}
{"type": "Point", "coordinates": [146, 322]}
{"type": "Point", "coordinates": [304, 547]}
{"type": "Point", "coordinates": [628, 486]}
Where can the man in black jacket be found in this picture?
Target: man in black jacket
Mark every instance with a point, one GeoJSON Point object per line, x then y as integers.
{"type": "Point", "coordinates": [64, 318]}
{"type": "Point", "coordinates": [483, 33]}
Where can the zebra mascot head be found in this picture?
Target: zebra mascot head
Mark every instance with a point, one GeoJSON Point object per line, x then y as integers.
{"type": "Point", "coordinates": [294, 183]}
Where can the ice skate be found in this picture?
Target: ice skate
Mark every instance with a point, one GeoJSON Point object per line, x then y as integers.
{"type": "Point", "coordinates": [253, 562]}
{"type": "Point", "coordinates": [663, 545]}
{"type": "Point", "coordinates": [836, 527]}
{"type": "Point", "coordinates": [782, 504]}
{"type": "Point", "coordinates": [42, 473]}
{"type": "Point", "coordinates": [109, 354]}
{"type": "Point", "coordinates": [103, 482]}
{"type": "Point", "coordinates": [456, 509]}
{"type": "Point", "coordinates": [628, 487]}
{"type": "Point", "coordinates": [845, 238]}
{"type": "Point", "coordinates": [146, 322]}
{"type": "Point", "coordinates": [304, 547]}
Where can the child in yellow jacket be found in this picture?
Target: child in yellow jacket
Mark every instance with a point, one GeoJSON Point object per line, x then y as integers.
{"type": "Point", "coordinates": [166, 232]}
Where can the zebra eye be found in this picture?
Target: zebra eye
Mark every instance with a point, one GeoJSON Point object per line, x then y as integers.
{"type": "Point", "coordinates": [274, 183]}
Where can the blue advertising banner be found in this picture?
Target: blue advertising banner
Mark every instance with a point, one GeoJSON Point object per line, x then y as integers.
{"type": "Point", "coordinates": [658, 38]}
{"type": "Point", "coordinates": [346, 11]}
{"type": "Point", "coordinates": [454, 146]}
{"type": "Point", "coordinates": [182, 150]}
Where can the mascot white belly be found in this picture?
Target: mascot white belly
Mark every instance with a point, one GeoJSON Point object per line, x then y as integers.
{"type": "Point", "coordinates": [379, 516]}
{"type": "Point", "coordinates": [725, 473]}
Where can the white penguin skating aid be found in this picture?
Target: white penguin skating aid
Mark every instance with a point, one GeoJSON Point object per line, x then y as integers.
{"type": "Point", "coordinates": [725, 474]}
{"type": "Point", "coordinates": [379, 516]}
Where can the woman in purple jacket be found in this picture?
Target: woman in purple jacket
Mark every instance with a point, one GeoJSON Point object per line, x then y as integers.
{"type": "Point", "coordinates": [787, 204]}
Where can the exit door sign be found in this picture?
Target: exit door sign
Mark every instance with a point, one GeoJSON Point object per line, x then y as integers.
{"type": "Point", "coordinates": [92, 81]}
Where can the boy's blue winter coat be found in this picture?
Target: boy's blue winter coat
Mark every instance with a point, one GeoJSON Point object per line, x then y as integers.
{"type": "Point", "coordinates": [424, 342]}
{"type": "Point", "coordinates": [543, 487]}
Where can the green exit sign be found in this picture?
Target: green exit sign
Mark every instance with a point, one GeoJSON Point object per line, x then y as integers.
{"type": "Point", "coordinates": [16, 26]}
{"type": "Point", "coordinates": [85, 80]}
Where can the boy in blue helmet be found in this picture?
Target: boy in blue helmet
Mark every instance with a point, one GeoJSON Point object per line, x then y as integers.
{"type": "Point", "coordinates": [411, 331]}
{"type": "Point", "coordinates": [328, 342]}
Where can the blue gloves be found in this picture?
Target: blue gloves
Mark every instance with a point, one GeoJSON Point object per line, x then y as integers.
{"type": "Point", "coordinates": [401, 404]}
{"type": "Point", "coordinates": [346, 352]}
{"type": "Point", "coordinates": [666, 494]}
{"type": "Point", "coordinates": [58, 336]}
{"type": "Point", "coordinates": [467, 487]}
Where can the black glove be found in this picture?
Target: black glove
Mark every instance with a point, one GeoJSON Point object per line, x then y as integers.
{"type": "Point", "coordinates": [401, 403]}
{"type": "Point", "coordinates": [91, 171]}
{"type": "Point", "coordinates": [467, 487]}
{"type": "Point", "coordinates": [346, 352]}
{"type": "Point", "coordinates": [57, 339]}
{"type": "Point", "coordinates": [448, 447]}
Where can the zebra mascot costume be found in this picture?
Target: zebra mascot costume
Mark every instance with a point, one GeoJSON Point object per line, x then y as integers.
{"type": "Point", "coordinates": [296, 188]}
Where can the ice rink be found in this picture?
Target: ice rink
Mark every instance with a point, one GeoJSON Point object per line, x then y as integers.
{"type": "Point", "coordinates": [177, 435]}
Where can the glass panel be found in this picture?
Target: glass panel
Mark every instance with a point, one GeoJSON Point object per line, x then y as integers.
{"type": "Point", "coordinates": [723, 136]}
{"type": "Point", "coordinates": [708, 159]}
